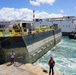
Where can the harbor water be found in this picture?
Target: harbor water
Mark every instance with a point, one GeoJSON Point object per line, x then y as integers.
{"type": "Point", "coordinates": [64, 55]}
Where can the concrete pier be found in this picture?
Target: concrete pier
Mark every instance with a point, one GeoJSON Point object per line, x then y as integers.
{"type": "Point", "coordinates": [23, 69]}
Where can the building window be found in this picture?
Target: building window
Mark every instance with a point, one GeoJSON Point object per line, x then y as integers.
{"type": "Point", "coordinates": [0, 26]}
{"type": "Point", "coordinates": [72, 21]}
{"type": "Point", "coordinates": [68, 25]}
{"type": "Point", "coordinates": [3, 25]}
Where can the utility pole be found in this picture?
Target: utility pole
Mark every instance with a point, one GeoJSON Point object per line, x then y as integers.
{"type": "Point", "coordinates": [33, 18]}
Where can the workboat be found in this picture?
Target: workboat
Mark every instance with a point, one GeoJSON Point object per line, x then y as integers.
{"type": "Point", "coordinates": [72, 35]}
{"type": "Point", "coordinates": [27, 41]}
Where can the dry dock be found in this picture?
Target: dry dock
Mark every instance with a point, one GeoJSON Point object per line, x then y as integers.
{"type": "Point", "coordinates": [24, 69]}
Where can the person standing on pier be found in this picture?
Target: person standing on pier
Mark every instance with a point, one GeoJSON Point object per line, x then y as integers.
{"type": "Point", "coordinates": [51, 66]}
{"type": "Point", "coordinates": [12, 56]}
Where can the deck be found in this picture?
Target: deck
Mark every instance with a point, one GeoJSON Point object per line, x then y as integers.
{"type": "Point", "coordinates": [23, 69]}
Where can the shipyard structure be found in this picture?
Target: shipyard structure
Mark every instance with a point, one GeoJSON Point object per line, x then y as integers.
{"type": "Point", "coordinates": [67, 23]}
{"type": "Point", "coordinates": [27, 39]}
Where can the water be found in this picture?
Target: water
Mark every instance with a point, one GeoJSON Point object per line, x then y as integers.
{"type": "Point", "coordinates": [64, 55]}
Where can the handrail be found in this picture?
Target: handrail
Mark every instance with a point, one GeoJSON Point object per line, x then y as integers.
{"type": "Point", "coordinates": [23, 31]}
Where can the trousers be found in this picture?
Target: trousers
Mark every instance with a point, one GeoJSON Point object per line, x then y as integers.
{"type": "Point", "coordinates": [51, 71]}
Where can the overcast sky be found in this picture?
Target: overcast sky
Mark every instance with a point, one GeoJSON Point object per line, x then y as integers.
{"type": "Point", "coordinates": [23, 9]}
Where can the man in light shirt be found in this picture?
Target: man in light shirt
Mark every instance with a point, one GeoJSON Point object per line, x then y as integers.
{"type": "Point", "coordinates": [12, 56]}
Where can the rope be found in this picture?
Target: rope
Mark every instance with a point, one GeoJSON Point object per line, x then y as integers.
{"type": "Point", "coordinates": [65, 56]}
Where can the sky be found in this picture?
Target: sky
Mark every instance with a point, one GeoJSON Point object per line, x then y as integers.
{"type": "Point", "coordinates": [23, 9]}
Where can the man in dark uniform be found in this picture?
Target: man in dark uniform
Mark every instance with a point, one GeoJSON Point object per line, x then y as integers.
{"type": "Point", "coordinates": [51, 66]}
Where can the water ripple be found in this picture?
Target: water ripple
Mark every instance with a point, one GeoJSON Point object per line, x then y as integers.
{"type": "Point", "coordinates": [67, 52]}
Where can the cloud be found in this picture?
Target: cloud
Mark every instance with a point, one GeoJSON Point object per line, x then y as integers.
{"type": "Point", "coordinates": [24, 14]}
{"type": "Point", "coordinates": [46, 15]}
{"type": "Point", "coordinates": [34, 3]}
{"type": "Point", "coordinates": [15, 14]}
{"type": "Point", "coordinates": [53, 15]}
{"type": "Point", "coordinates": [38, 2]}
{"type": "Point", "coordinates": [61, 11]}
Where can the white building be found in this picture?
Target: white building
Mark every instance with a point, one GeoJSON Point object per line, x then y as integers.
{"type": "Point", "coordinates": [67, 23]}
{"type": "Point", "coordinates": [5, 24]}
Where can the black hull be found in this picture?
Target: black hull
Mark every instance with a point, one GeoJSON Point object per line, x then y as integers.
{"type": "Point", "coordinates": [65, 33]}
{"type": "Point", "coordinates": [72, 36]}
{"type": "Point", "coordinates": [20, 44]}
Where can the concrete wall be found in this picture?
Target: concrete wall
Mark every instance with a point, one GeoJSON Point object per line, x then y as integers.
{"type": "Point", "coordinates": [21, 54]}
{"type": "Point", "coordinates": [38, 49]}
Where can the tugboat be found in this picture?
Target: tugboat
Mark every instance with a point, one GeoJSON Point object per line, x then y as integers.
{"type": "Point", "coordinates": [72, 35]}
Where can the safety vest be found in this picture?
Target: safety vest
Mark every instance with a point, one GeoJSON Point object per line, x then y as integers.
{"type": "Point", "coordinates": [51, 61]}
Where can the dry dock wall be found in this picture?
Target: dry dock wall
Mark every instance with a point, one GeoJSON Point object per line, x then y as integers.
{"type": "Point", "coordinates": [31, 47]}
{"type": "Point", "coordinates": [38, 49]}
